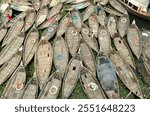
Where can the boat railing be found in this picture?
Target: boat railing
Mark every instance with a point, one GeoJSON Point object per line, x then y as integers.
{"type": "Point", "coordinates": [130, 4]}
{"type": "Point", "coordinates": [134, 7]}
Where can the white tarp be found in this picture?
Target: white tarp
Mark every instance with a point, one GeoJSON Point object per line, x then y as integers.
{"type": "Point", "coordinates": [143, 3]}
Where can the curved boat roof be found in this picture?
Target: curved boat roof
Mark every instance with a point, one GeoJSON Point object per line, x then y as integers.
{"type": "Point", "coordinates": [140, 3]}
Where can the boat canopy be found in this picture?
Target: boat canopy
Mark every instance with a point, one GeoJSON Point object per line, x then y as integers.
{"type": "Point", "coordinates": [140, 3]}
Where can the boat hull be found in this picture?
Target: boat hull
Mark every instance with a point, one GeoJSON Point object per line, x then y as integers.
{"type": "Point", "coordinates": [147, 17]}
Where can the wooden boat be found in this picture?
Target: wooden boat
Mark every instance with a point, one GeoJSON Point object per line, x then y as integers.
{"type": "Point", "coordinates": [136, 9]}
{"type": "Point", "coordinates": [126, 74]}
{"type": "Point", "coordinates": [61, 55]}
{"type": "Point", "coordinates": [45, 2]}
{"type": "Point", "coordinates": [11, 49]}
{"type": "Point", "coordinates": [72, 38]}
{"type": "Point", "coordinates": [30, 45]}
{"type": "Point", "coordinates": [79, 6]}
{"type": "Point", "coordinates": [14, 19]}
{"type": "Point", "coordinates": [93, 24]}
{"type": "Point", "coordinates": [124, 50]}
{"type": "Point", "coordinates": [3, 32]}
{"type": "Point", "coordinates": [49, 21]}
{"type": "Point", "coordinates": [6, 15]}
{"type": "Point", "coordinates": [31, 89]}
{"type": "Point", "coordinates": [78, 1]}
{"type": "Point", "coordinates": [134, 39]}
{"type": "Point", "coordinates": [54, 3]}
{"type": "Point", "coordinates": [146, 47]}
{"type": "Point", "coordinates": [43, 61]}
{"type": "Point", "coordinates": [4, 1]}
{"type": "Point", "coordinates": [29, 20]}
{"type": "Point", "coordinates": [87, 37]}
{"type": "Point", "coordinates": [69, 1]}
{"type": "Point", "coordinates": [50, 31]}
{"type": "Point", "coordinates": [107, 76]}
{"type": "Point", "coordinates": [20, 8]}
{"type": "Point", "coordinates": [15, 84]}
{"type": "Point", "coordinates": [101, 15]}
{"type": "Point", "coordinates": [116, 5]}
{"type": "Point", "coordinates": [76, 19]}
{"type": "Point", "coordinates": [143, 72]}
{"type": "Point", "coordinates": [8, 68]}
{"type": "Point", "coordinates": [88, 12]}
{"type": "Point", "coordinates": [62, 27]}
{"type": "Point", "coordinates": [91, 85]}
{"type": "Point", "coordinates": [147, 65]}
{"type": "Point", "coordinates": [41, 15]}
{"type": "Point", "coordinates": [52, 87]}
{"type": "Point", "coordinates": [36, 4]}
{"type": "Point", "coordinates": [71, 77]}
{"type": "Point", "coordinates": [22, 2]}
{"type": "Point", "coordinates": [4, 5]}
{"type": "Point", "coordinates": [102, 2]}
{"type": "Point", "coordinates": [123, 25]}
{"type": "Point", "coordinates": [55, 10]}
{"type": "Point", "coordinates": [146, 54]}
{"type": "Point", "coordinates": [13, 31]}
{"type": "Point", "coordinates": [112, 25]}
{"type": "Point", "coordinates": [88, 58]}
{"type": "Point", "coordinates": [104, 39]}
{"type": "Point", "coordinates": [112, 11]}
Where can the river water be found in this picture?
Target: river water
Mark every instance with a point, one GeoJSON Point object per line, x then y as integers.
{"type": "Point", "coordinates": [141, 23]}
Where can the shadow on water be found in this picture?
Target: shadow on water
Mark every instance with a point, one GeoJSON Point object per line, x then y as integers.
{"type": "Point", "coordinates": [141, 23]}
